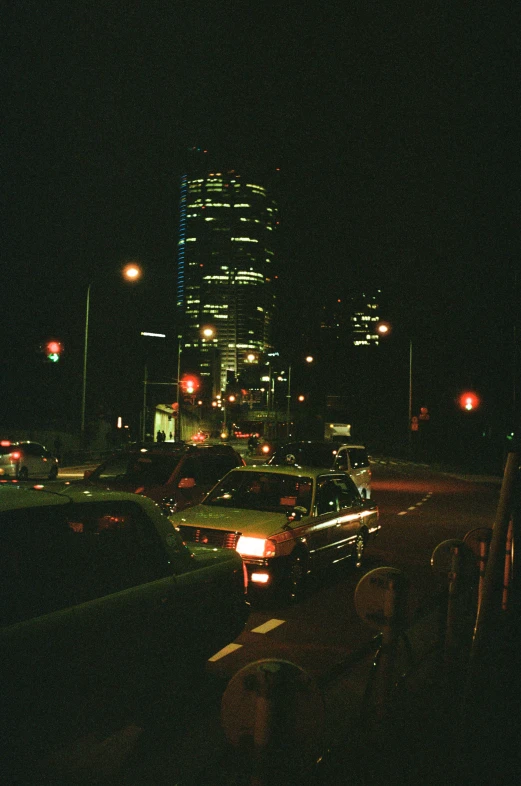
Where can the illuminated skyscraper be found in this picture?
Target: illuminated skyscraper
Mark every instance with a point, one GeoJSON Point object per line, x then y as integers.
{"type": "Point", "coordinates": [226, 265]}
{"type": "Point", "coordinates": [364, 318]}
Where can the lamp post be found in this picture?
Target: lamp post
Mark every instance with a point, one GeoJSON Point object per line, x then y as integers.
{"type": "Point", "coordinates": [308, 359]}
{"type": "Point", "coordinates": [209, 334]}
{"type": "Point", "coordinates": [132, 272]}
{"type": "Point", "coordinates": [146, 383]}
{"type": "Point", "coordinates": [385, 329]}
{"type": "Point", "coordinates": [177, 424]}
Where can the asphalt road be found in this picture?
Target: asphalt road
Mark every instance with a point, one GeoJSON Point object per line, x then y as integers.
{"type": "Point", "coordinates": [418, 509]}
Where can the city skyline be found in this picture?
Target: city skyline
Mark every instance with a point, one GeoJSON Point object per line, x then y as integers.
{"type": "Point", "coordinates": [395, 137]}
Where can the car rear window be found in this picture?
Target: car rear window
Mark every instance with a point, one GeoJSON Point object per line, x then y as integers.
{"type": "Point", "coordinates": [309, 455]}
{"type": "Point", "coordinates": [359, 458]}
{"type": "Point", "coordinates": [5, 451]}
{"type": "Point", "coordinates": [54, 558]}
{"type": "Point", "coordinates": [145, 469]}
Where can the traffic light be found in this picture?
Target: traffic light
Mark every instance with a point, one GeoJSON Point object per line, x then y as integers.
{"type": "Point", "coordinates": [189, 384]}
{"type": "Point", "coordinates": [469, 401]}
{"type": "Point", "coordinates": [53, 350]}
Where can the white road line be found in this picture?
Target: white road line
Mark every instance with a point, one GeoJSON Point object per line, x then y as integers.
{"type": "Point", "coordinates": [412, 507]}
{"type": "Point", "coordinates": [403, 513]}
{"type": "Point", "coordinates": [225, 651]}
{"type": "Point", "coordinates": [267, 626]}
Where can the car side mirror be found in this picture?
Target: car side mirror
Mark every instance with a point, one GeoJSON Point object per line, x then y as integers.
{"type": "Point", "coordinates": [87, 474]}
{"type": "Point", "coordinates": [186, 483]}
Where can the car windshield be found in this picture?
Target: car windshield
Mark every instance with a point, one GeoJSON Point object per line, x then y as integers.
{"type": "Point", "coordinates": [309, 455]}
{"type": "Point", "coordinates": [262, 491]}
{"type": "Point", "coordinates": [143, 469]}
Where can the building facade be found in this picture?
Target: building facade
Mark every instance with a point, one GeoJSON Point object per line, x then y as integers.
{"type": "Point", "coordinates": [364, 317]}
{"type": "Point", "coordinates": [226, 270]}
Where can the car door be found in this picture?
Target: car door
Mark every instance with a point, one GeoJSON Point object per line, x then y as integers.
{"type": "Point", "coordinates": [359, 468]}
{"type": "Point", "coordinates": [322, 533]}
{"type": "Point", "coordinates": [348, 523]}
{"type": "Point", "coordinates": [125, 612]}
{"type": "Point", "coordinates": [42, 658]}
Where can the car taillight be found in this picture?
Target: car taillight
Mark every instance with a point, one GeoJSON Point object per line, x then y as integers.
{"type": "Point", "coordinates": [15, 455]}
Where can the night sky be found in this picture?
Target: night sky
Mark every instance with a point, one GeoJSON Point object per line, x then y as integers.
{"type": "Point", "coordinates": [395, 126]}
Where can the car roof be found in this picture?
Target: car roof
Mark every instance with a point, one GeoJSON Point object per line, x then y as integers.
{"type": "Point", "coordinates": [18, 497]}
{"type": "Point", "coordinates": [288, 469]}
{"type": "Point", "coordinates": [321, 443]}
{"type": "Point", "coordinates": [177, 448]}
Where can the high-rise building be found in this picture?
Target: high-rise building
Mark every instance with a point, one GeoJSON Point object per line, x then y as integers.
{"type": "Point", "coordinates": [226, 270]}
{"type": "Point", "coordinates": [364, 317]}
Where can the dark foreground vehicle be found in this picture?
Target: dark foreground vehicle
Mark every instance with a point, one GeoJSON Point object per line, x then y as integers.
{"type": "Point", "coordinates": [175, 477]}
{"type": "Point", "coordinates": [104, 614]}
{"type": "Point", "coordinates": [286, 522]}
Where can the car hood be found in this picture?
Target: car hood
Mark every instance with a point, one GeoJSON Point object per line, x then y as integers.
{"type": "Point", "coordinates": [251, 522]}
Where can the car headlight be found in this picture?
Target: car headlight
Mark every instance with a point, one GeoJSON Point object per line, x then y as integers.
{"type": "Point", "coordinates": [255, 547]}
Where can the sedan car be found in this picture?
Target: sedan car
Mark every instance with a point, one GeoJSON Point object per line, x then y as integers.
{"type": "Point", "coordinates": [104, 614]}
{"type": "Point", "coordinates": [24, 460]}
{"type": "Point", "coordinates": [349, 458]}
{"type": "Point", "coordinates": [175, 477]}
{"type": "Point", "coordinates": [286, 522]}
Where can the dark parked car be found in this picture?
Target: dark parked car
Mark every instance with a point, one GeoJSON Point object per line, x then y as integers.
{"type": "Point", "coordinates": [104, 614]}
{"type": "Point", "coordinates": [286, 522]}
{"type": "Point", "coordinates": [175, 477]}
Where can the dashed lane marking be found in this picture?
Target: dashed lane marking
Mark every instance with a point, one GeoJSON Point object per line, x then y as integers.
{"type": "Point", "coordinates": [225, 651]}
{"type": "Point", "coordinates": [267, 626]}
{"type": "Point", "coordinates": [417, 505]}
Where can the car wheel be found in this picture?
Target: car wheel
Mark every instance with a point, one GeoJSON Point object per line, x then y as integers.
{"type": "Point", "coordinates": [295, 579]}
{"type": "Point", "coordinates": [53, 473]}
{"type": "Point", "coordinates": [23, 474]}
{"type": "Point", "coordinates": [359, 550]}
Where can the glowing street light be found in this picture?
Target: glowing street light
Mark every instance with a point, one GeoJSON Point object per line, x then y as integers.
{"type": "Point", "coordinates": [209, 336]}
{"type": "Point", "coordinates": [385, 329]}
{"type": "Point", "coordinates": [309, 359]}
{"type": "Point", "coordinates": [131, 272]}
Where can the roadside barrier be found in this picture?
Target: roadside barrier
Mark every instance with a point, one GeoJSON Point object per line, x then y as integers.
{"type": "Point", "coordinates": [450, 674]}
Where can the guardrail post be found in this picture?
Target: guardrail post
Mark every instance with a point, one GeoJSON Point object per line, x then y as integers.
{"type": "Point", "coordinates": [454, 561]}
{"type": "Point", "coordinates": [272, 713]}
{"type": "Point", "coordinates": [380, 600]}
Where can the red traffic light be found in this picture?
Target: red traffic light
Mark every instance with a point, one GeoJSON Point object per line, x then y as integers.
{"type": "Point", "coordinates": [189, 384]}
{"type": "Point", "coordinates": [469, 401]}
{"type": "Point", "coordinates": [53, 350]}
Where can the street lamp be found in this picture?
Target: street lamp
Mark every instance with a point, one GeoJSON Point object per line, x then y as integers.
{"type": "Point", "coordinates": [385, 329]}
{"type": "Point", "coordinates": [131, 272]}
{"type": "Point", "coordinates": [209, 333]}
{"type": "Point", "coordinates": [308, 359]}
